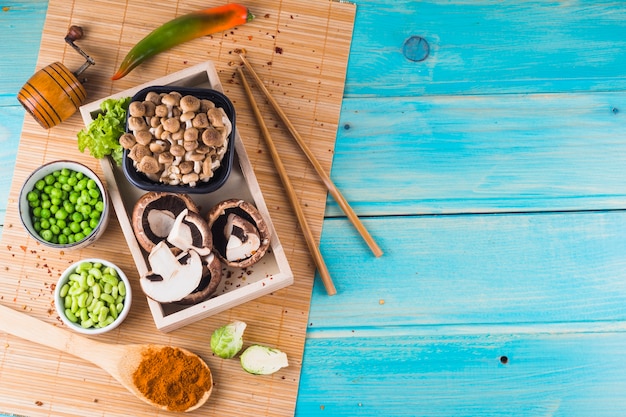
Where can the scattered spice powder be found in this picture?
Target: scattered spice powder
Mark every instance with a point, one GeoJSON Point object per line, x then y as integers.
{"type": "Point", "coordinates": [171, 378]}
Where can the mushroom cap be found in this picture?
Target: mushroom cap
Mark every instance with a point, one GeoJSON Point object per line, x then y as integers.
{"type": "Point", "coordinates": [201, 121]}
{"type": "Point", "coordinates": [154, 214]}
{"type": "Point", "coordinates": [137, 123]}
{"type": "Point", "coordinates": [177, 150]}
{"type": "Point", "coordinates": [189, 103]}
{"type": "Point", "coordinates": [137, 109]}
{"type": "Point", "coordinates": [191, 133]}
{"type": "Point", "coordinates": [161, 110]}
{"type": "Point", "coordinates": [154, 97]}
{"type": "Point", "coordinates": [138, 151]}
{"type": "Point", "coordinates": [166, 158]}
{"type": "Point", "coordinates": [143, 137]}
{"type": "Point", "coordinates": [148, 164]}
{"type": "Point", "coordinates": [171, 124]}
{"type": "Point", "coordinates": [217, 219]}
{"type": "Point", "coordinates": [170, 99]}
{"type": "Point", "coordinates": [149, 107]}
{"type": "Point", "coordinates": [212, 137]}
{"type": "Point", "coordinates": [127, 140]}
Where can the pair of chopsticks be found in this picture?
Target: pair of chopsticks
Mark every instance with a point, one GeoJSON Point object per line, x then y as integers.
{"type": "Point", "coordinates": [293, 199]}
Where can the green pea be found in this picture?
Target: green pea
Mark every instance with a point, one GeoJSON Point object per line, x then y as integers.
{"type": "Point", "coordinates": [40, 184]}
{"type": "Point", "coordinates": [46, 235]}
{"type": "Point", "coordinates": [56, 193]}
{"type": "Point", "coordinates": [32, 196]}
{"type": "Point", "coordinates": [75, 227]}
{"type": "Point", "coordinates": [45, 212]}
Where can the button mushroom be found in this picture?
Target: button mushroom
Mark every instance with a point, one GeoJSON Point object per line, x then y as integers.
{"type": "Point", "coordinates": [189, 103]}
{"type": "Point", "coordinates": [137, 109]}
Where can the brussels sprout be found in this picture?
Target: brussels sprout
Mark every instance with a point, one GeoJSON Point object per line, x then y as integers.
{"type": "Point", "coordinates": [227, 341]}
{"type": "Point", "coordinates": [263, 360]}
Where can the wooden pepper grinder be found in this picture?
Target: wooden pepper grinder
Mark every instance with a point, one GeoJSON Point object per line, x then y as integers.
{"type": "Point", "coordinates": [54, 93]}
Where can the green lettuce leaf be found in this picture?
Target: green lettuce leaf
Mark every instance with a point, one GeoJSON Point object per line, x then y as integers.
{"type": "Point", "coordinates": [102, 135]}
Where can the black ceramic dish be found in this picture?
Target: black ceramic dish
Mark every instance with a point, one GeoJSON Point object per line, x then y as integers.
{"type": "Point", "coordinates": [220, 175]}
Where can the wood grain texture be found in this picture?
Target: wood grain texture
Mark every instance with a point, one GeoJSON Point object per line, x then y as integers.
{"type": "Point", "coordinates": [313, 54]}
{"type": "Point", "coordinates": [546, 374]}
{"type": "Point", "coordinates": [489, 153]}
{"type": "Point", "coordinates": [476, 270]}
{"type": "Point", "coordinates": [519, 108]}
{"type": "Point", "coordinates": [487, 47]}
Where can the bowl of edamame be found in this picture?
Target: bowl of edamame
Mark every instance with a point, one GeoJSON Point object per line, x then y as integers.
{"type": "Point", "coordinates": [64, 205]}
{"type": "Point", "coordinates": [93, 296]}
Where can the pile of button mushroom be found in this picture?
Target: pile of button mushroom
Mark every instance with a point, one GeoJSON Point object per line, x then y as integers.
{"type": "Point", "coordinates": [175, 139]}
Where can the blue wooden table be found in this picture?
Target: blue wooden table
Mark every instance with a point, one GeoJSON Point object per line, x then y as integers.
{"type": "Point", "coordinates": [484, 144]}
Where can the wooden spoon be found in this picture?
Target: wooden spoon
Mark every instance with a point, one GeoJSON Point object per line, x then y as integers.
{"type": "Point", "coordinates": [121, 361]}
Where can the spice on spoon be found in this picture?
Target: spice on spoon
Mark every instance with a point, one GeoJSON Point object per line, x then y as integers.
{"type": "Point", "coordinates": [171, 378]}
{"type": "Point", "coordinates": [182, 29]}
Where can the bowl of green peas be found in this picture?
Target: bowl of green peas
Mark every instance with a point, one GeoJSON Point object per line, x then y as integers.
{"type": "Point", "coordinates": [93, 296]}
{"type": "Point", "coordinates": [64, 205]}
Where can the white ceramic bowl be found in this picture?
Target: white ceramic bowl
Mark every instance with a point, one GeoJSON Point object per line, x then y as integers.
{"type": "Point", "coordinates": [60, 299]}
{"type": "Point", "coordinates": [25, 210]}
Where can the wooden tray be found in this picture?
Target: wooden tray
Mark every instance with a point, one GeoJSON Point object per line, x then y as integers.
{"type": "Point", "coordinates": [239, 285]}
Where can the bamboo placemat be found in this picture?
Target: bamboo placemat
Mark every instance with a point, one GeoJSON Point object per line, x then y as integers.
{"type": "Point", "coordinates": [300, 48]}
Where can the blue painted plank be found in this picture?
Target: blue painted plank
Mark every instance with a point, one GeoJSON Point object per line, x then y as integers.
{"type": "Point", "coordinates": [492, 153]}
{"type": "Point", "coordinates": [21, 25]}
{"type": "Point", "coordinates": [11, 120]}
{"type": "Point", "coordinates": [471, 269]}
{"type": "Point", "coordinates": [487, 47]}
{"type": "Point", "coordinates": [393, 375]}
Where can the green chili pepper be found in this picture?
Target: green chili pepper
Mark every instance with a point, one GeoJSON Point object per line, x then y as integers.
{"type": "Point", "coordinates": [183, 29]}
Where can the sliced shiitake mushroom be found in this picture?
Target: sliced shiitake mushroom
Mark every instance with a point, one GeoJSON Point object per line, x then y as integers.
{"type": "Point", "coordinates": [240, 235]}
{"type": "Point", "coordinates": [154, 215]}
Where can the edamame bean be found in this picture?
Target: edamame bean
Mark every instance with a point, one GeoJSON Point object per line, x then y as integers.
{"type": "Point", "coordinates": [94, 295]}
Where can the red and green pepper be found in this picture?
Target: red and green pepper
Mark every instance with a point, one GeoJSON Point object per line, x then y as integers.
{"type": "Point", "coordinates": [183, 29]}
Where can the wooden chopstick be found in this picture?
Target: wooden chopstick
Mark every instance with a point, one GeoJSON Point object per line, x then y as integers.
{"type": "Point", "coordinates": [291, 194]}
{"type": "Point", "coordinates": [334, 191]}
